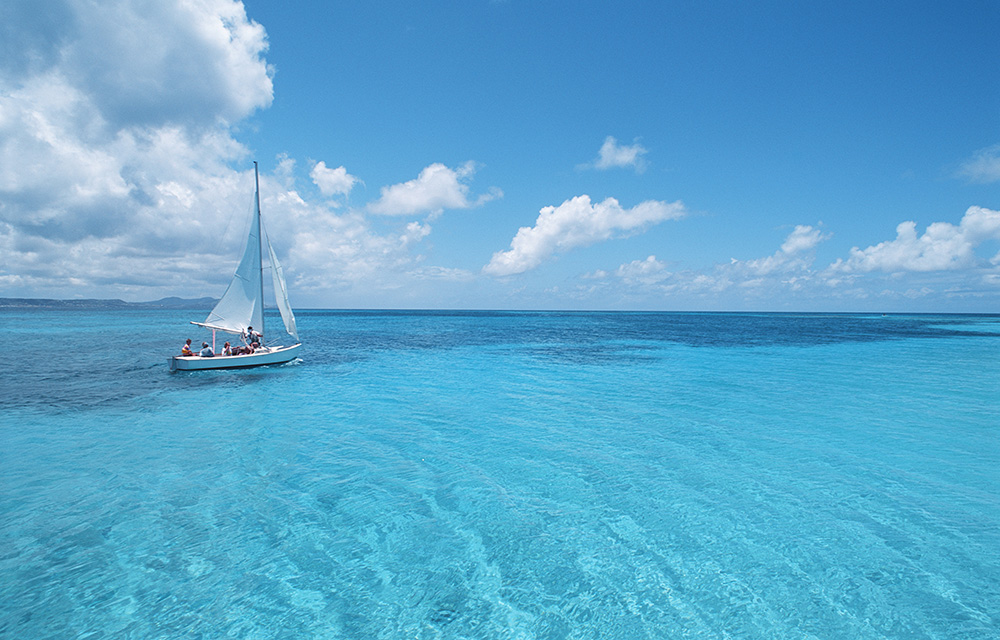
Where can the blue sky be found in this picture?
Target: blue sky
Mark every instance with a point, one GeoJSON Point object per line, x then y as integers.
{"type": "Point", "coordinates": [828, 156]}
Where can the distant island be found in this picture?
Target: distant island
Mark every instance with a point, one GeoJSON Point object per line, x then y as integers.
{"type": "Point", "coordinates": [93, 303]}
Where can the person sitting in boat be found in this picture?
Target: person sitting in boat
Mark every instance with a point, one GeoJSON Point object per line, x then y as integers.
{"type": "Point", "coordinates": [227, 350]}
{"type": "Point", "coordinates": [186, 349]}
{"type": "Point", "coordinates": [206, 351]}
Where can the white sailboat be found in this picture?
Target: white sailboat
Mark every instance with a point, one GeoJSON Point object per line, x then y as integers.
{"type": "Point", "coordinates": [242, 306]}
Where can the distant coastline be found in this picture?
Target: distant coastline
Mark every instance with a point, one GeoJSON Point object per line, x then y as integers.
{"type": "Point", "coordinates": [95, 303]}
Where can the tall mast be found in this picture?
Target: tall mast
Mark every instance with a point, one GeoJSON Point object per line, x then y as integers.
{"type": "Point", "coordinates": [260, 246]}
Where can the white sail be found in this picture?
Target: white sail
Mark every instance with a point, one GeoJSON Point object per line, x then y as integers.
{"type": "Point", "coordinates": [281, 291]}
{"type": "Point", "coordinates": [242, 305]}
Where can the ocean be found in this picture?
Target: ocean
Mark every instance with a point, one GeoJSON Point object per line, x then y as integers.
{"type": "Point", "coordinates": [483, 475]}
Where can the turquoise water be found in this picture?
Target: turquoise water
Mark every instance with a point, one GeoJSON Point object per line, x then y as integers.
{"type": "Point", "coordinates": [504, 475]}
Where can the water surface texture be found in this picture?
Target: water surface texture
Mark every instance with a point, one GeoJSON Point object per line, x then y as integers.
{"type": "Point", "coordinates": [504, 475]}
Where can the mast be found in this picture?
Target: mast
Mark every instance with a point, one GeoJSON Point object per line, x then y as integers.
{"type": "Point", "coordinates": [260, 248]}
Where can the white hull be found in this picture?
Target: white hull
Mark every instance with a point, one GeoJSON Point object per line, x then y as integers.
{"type": "Point", "coordinates": [277, 355]}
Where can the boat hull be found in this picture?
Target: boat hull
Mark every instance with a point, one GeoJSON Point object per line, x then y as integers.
{"type": "Point", "coordinates": [278, 355]}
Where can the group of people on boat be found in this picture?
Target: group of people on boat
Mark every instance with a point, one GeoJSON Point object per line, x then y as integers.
{"type": "Point", "coordinates": [251, 343]}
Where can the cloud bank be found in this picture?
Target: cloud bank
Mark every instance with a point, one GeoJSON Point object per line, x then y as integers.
{"type": "Point", "coordinates": [940, 265]}
{"type": "Point", "coordinates": [114, 133]}
{"type": "Point", "coordinates": [117, 138]}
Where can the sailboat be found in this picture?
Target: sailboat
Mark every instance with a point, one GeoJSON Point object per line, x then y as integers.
{"type": "Point", "coordinates": [242, 307]}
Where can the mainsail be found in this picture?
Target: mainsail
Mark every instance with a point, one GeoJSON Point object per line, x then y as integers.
{"type": "Point", "coordinates": [242, 305]}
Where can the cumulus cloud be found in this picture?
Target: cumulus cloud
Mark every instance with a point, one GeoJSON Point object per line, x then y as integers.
{"type": "Point", "coordinates": [613, 155]}
{"type": "Point", "coordinates": [577, 223]}
{"type": "Point", "coordinates": [437, 188]}
{"type": "Point", "coordinates": [332, 181]}
{"type": "Point", "coordinates": [114, 138]}
{"type": "Point", "coordinates": [116, 153]}
{"type": "Point", "coordinates": [983, 166]}
{"type": "Point", "coordinates": [141, 63]}
{"type": "Point", "coordinates": [117, 146]}
{"type": "Point", "coordinates": [803, 238]}
{"type": "Point", "coordinates": [942, 247]}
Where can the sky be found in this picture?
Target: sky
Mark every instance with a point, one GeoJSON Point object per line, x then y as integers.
{"type": "Point", "coordinates": [477, 154]}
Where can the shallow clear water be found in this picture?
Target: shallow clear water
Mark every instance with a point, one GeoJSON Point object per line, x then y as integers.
{"type": "Point", "coordinates": [505, 475]}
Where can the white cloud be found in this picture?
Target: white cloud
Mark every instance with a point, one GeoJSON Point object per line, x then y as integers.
{"type": "Point", "coordinates": [116, 153]}
{"type": "Point", "coordinates": [437, 188]}
{"type": "Point", "coordinates": [788, 269]}
{"type": "Point", "coordinates": [415, 232]}
{"type": "Point", "coordinates": [332, 181]}
{"type": "Point", "coordinates": [576, 223]}
{"type": "Point", "coordinates": [644, 272]}
{"type": "Point", "coordinates": [802, 239]}
{"type": "Point", "coordinates": [143, 63]}
{"type": "Point", "coordinates": [114, 144]}
{"type": "Point", "coordinates": [983, 166]}
{"type": "Point", "coordinates": [891, 275]}
{"type": "Point", "coordinates": [338, 252]}
{"type": "Point", "coordinates": [613, 155]}
{"type": "Point", "coordinates": [942, 247]}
